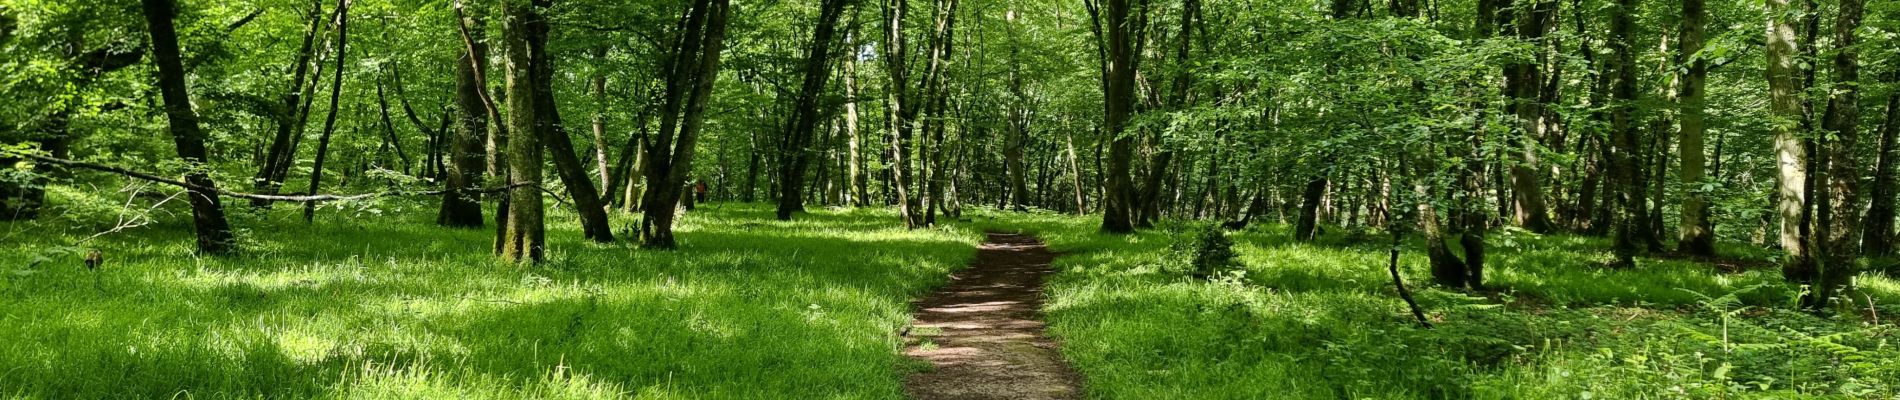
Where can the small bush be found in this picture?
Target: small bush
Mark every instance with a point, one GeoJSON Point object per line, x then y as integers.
{"type": "Point", "coordinates": [1213, 252]}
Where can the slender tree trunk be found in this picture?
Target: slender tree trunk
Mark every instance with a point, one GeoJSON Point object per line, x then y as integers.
{"type": "Point", "coordinates": [1623, 159]}
{"type": "Point", "coordinates": [553, 133]}
{"type": "Point", "coordinates": [854, 158]}
{"type": "Point", "coordinates": [1877, 240]}
{"type": "Point", "coordinates": [601, 167]}
{"type": "Point", "coordinates": [214, 233]}
{"type": "Point", "coordinates": [1523, 83]}
{"type": "Point", "coordinates": [1843, 120]}
{"type": "Point", "coordinates": [1697, 236]}
{"type": "Point", "coordinates": [461, 208]}
{"type": "Point", "coordinates": [268, 180]}
{"type": "Point", "coordinates": [389, 128]}
{"type": "Point", "coordinates": [695, 66]}
{"type": "Point", "coordinates": [805, 115]}
{"type": "Point", "coordinates": [1119, 80]}
{"type": "Point", "coordinates": [1784, 97]}
{"type": "Point", "coordinates": [329, 121]}
{"type": "Point", "coordinates": [1075, 173]}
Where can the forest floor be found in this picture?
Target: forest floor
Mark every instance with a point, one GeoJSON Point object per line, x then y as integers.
{"type": "Point", "coordinates": [375, 301]}
{"type": "Point", "coordinates": [983, 333]}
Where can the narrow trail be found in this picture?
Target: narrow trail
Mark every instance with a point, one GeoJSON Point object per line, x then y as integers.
{"type": "Point", "coordinates": [983, 333]}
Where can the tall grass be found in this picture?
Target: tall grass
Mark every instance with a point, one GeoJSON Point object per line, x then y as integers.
{"type": "Point", "coordinates": [377, 302]}
{"type": "Point", "coordinates": [1321, 320]}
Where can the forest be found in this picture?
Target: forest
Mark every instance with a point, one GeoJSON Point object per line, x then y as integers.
{"type": "Point", "coordinates": [950, 199]}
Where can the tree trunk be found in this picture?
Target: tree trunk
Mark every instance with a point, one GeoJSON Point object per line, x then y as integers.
{"type": "Point", "coordinates": [1307, 227]}
{"type": "Point", "coordinates": [1622, 149]}
{"type": "Point", "coordinates": [1697, 236]}
{"type": "Point", "coordinates": [1877, 240]}
{"type": "Point", "coordinates": [460, 208]}
{"type": "Point", "coordinates": [329, 121]}
{"type": "Point", "coordinates": [553, 133]}
{"type": "Point", "coordinates": [1843, 120]}
{"type": "Point", "coordinates": [1784, 97]}
{"type": "Point", "coordinates": [1075, 173]}
{"type": "Point", "coordinates": [389, 128]}
{"type": "Point", "coordinates": [268, 179]}
{"type": "Point", "coordinates": [805, 115]}
{"type": "Point", "coordinates": [214, 233]}
{"type": "Point", "coordinates": [854, 158]}
{"type": "Point", "coordinates": [695, 66]}
{"type": "Point", "coordinates": [524, 234]}
{"type": "Point", "coordinates": [1523, 82]}
{"type": "Point", "coordinates": [601, 167]}
{"type": "Point", "coordinates": [1119, 80]}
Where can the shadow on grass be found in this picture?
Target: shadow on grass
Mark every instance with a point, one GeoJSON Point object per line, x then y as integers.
{"type": "Point", "coordinates": [745, 309]}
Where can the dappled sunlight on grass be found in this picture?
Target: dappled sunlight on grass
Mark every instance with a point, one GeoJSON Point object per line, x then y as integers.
{"type": "Point", "coordinates": [390, 306]}
{"type": "Point", "coordinates": [1322, 320]}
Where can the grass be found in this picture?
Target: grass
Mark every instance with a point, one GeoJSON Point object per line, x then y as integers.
{"type": "Point", "coordinates": [377, 302]}
{"type": "Point", "coordinates": [1321, 320]}
{"type": "Point", "coordinates": [374, 301]}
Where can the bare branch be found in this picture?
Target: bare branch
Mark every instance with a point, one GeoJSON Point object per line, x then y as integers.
{"type": "Point", "coordinates": [252, 196]}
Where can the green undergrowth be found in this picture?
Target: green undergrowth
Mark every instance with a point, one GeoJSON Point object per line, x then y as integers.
{"type": "Point", "coordinates": [375, 301]}
{"type": "Point", "coordinates": [1322, 320]}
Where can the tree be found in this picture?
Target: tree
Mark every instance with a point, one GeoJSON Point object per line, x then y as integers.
{"type": "Point", "coordinates": [1523, 81]}
{"type": "Point", "coordinates": [694, 67]}
{"type": "Point", "coordinates": [1622, 148]}
{"type": "Point", "coordinates": [290, 120]}
{"type": "Point", "coordinates": [465, 167]}
{"type": "Point", "coordinates": [214, 233]}
{"type": "Point", "coordinates": [1841, 215]}
{"type": "Point", "coordinates": [1784, 101]}
{"type": "Point", "coordinates": [329, 121]}
{"type": "Point", "coordinates": [1877, 240]}
{"type": "Point", "coordinates": [523, 235]}
{"type": "Point", "coordinates": [551, 131]}
{"type": "Point", "coordinates": [901, 110]}
{"type": "Point", "coordinates": [1118, 81]}
{"type": "Point", "coordinates": [797, 151]}
{"type": "Point", "coordinates": [1697, 234]}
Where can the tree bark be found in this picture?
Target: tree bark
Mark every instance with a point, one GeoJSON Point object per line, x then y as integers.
{"type": "Point", "coordinates": [695, 66]}
{"type": "Point", "coordinates": [214, 233]}
{"type": "Point", "coordinates": [553, 132]}
{"type": "Point", "coordinates": [1523, 82]}
{"type": "Point", "coordinates": [599, 118]}
{"type": "Point", "coordinates": [1877, 240]}
{"type": "Point", "coordinates": [902, 110]}
{"type": "Point", "coordinates": [854, 158]}
{"type": "Point", "coordinates": [1784, 95]}
{"type": "Point", "coordinates": [1843, 120]}
{"type": "Point", "coordinates": [459, 208]}
{"type": "Point", "coordinates": [269, 180]}
{"type": "Point", "coordinates": [1622, 149]}
{"type": "Point", "coordinates": [1697, 233]}
{"type": "Point", "coordinates": [805, 115]}
{"type": "Point", "coordinates": [1306, 229]}
{"type": "Point", "coordinates": [1119, 96]}
{"type": "Point", "coordinates": [329, 121]}
{"type": "Point", "coordinates": [524, 234]}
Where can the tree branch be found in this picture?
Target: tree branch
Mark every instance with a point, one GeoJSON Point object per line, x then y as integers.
{"type": "Point", "coordinates": [252, 196]}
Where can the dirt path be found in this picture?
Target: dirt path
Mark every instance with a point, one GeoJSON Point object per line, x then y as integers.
{"type": "Point", "coordinates": [983, 332]}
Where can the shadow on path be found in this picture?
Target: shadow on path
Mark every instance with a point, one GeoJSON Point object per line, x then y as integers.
{"type": "Point", "coordinates": [983, 333]}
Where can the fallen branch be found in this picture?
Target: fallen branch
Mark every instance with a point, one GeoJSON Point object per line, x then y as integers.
{"type": "Point", "coordinates": [253, 196]}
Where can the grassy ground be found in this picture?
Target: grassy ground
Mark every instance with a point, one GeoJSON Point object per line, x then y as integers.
{"type": "Point", "coordinates": [379, 303]}
{"type": "Point", "coordinates": [373, 301]}
{"type": "Point", "coordinates": [1322, 320]}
